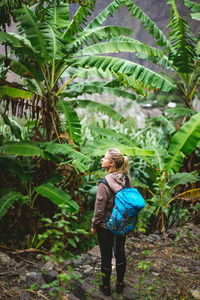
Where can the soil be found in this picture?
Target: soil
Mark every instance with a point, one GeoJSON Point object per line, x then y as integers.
{"type": "Point", "coordinates": [158, 267]}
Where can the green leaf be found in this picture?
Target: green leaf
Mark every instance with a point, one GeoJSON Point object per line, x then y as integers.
{"type": "Point", "coordinates": [28, 22]}
{"type": "Point", "coordinates": [99, 87]}
{"type": "Point", "coordinates": [71, 120]}
{"type": "Point", "coordinates": [98, 34]}
{"type": "Point", "coordinates": [99, 107]}
{"type": "Point", "coordinates": [57, 196]}
{"type": "Point", "coordinates": [120, 45]}
{"type": "Point", "coordinates": [9, 39]}
{"type": "Point", "coordinates": [24, 148]}
{"type": "Point", "coordinates": [15, 130]}
{"type": "Point", "coordinates": [122, 66]}
{"type": "Point", "coordinates": [102, 146]}
{"type": "Point", "coordinates": [14, 93]}
{"type": "Point", "coordinates": [192, 5]}
{"type": "Point", "coordinates": [65, 149]}
{"type": "Point", "coordinates": [185, 140]}
{"type": "Point", "coordinates": [59, 15]}
{"type": "Point", "coordinates": [7, 201]}
{"type": "Point", "coordinates": [181, 112]}
{"type": "Point", "coordinates": [196, 16]}
{"type": "Point", "coordinates": [123, 138]}
{"type": "Point", "coordinates": [79, 19]}
{"type": "Point", "coordinates": [72, 242]}
{"type": "Point", "coordinates": [183, 178]}
{"type": "Point", "coordinates": [148, 24]}
{"type": "Point", "coordinates": [12, 165]}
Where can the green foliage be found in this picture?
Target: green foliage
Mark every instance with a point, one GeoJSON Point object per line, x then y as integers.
{"type": "Point", "coordinates": [62, 234]}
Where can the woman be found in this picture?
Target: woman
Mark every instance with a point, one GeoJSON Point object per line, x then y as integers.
{"type": "Point", "coordinates": [118, 168]}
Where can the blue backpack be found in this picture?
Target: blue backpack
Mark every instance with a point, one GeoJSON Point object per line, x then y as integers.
{"type": "Point", "coordinates": [128, 203]}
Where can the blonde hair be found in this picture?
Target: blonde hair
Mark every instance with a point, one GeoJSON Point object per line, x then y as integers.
{"type": "Point", "coordinates": [121, 161]}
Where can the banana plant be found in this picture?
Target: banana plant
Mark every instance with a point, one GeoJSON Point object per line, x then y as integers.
{"type": "Point", "coordinates": [50, 47]}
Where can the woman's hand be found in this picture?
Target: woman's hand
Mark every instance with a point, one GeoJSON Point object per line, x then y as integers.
{"type": "Point", "coordinates": [94, 231]}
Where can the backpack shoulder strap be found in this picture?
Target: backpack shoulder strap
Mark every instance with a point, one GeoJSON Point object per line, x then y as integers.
{"type": "Point", "coordinates": [127, 182]}
{"type": "Point", "coordinates": [103, 180]}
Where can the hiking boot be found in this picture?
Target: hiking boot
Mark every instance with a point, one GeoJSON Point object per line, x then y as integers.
{"type": "Point", "coordinates": [106, 291]}
{"type": "Point", "coordinates": [120, 288]}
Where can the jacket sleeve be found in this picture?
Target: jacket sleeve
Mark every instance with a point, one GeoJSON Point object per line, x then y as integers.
{"type": "Point", "coordinates": [100, 204]}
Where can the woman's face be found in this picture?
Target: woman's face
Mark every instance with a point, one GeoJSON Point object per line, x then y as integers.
{"type": "Point", "coordinates": [106, 161]}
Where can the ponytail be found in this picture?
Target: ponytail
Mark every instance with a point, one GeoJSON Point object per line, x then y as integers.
{"type": "Point", "coordinates": [121, 161]}
{"type": "Point", "coordinates": [125, 167]}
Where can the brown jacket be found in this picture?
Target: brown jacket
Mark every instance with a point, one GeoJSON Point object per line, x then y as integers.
{"type": "Point", "coordinates": [105, 200]}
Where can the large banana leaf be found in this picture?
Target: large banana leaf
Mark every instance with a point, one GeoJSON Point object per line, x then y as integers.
{"type": "Point", "coordinates": [10, 40]}
{"type": "Point", "coordinates": [99, 148]}
{"type": "Point", "coordinates": [181, 112]}
{"type": "Point", "coordinates": [15, 130]}
{"type": "Point", "coordinates": [10, 163]}
{"type": "Point", "coordinates": [79, 19]}
{"type": "Point", "coordinates": [14, 93]}
{"type": "Point", "coordinates": [183, 42]}
{"type": "Point", "coordinates": [120, 66]}
{"type": "Point", "coordinates": [71, 120]}
{"type": "Point", "coordinates": [24, 148]}
{"type": "Point", "coordinates": [66, 149]}
{"type": "Point", "coordinates": [57, 196]}
{"type": "Point", "coordinates": [182, 178]}
{"type": "Point", "coordinates": [15, 66]}
{"type": "Point", "coordinates": [59, 15]}
{"type": "Point", "coordinates": [184, 141]}
{"type": "Point", "coordinates": [102, 17]}
{"type": "Point", "coordinates": [99, 107]}
{"type": "Point", "coordinates": [54, 44]}
{"type": "Point", "coordinates": [148, 24]}
{"type": "Point", "coordinates": [98, 34]}
{"type": "Point", "coordinates": [120, 137]}
{"type": "Point", "coordinates": [28, 22]}
{"type": "Point", "coordinates": [78, 88]}
{"type": "Point", "coordinates": [7, 201]}
{"type": "Point", "coordinates": [192, 5]}
{"type": "Point", "coordinates": [120, 45]}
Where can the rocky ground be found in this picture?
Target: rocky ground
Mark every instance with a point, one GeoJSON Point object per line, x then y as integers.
{"type": "Point", "coordinates": [158, 267]}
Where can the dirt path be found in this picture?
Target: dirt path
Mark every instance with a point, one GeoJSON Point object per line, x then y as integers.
{"type": "Point", "coordinates": [158, 267]}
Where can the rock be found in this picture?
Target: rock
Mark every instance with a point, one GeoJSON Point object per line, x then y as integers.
{"type": "Point", "coordinates": [171, 233]}
{"type": "Point", "coordinates": [4, 258]}
{"type": "Point", "coordinates": [50, 276]}
{"type": "Point", "coordinates": [48, 266]}
{"type": "Point", "coordinates": [77, 262]}
{"type": "Point", "coordinates": [25, 295]}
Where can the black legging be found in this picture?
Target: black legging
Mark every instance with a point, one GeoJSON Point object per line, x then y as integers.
{"type": "Point", "coordinates": [106, 243]}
